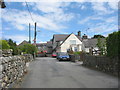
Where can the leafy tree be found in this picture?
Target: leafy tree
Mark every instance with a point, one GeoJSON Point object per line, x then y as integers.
{"type": "Point", "coordinates": [4, 44]}
{"type": "Point", "coordinates": [28, 48]}
{"type": "Point", "coordinates": [13, 46]}
{"type": "Point", "coordinates": [97, 36]}
{"type": "Point", "coordinates": [112, 43]}
{"type": "Point", "coordinates": [101, 44]}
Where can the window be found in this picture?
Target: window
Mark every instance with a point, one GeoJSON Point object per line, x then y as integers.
{"type": "Point", "coordinates": [75, 49]}
{"type": "Point", "coordinates": [72, 41]}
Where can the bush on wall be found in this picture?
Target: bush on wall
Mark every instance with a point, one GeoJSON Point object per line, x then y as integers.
{"type": "Point", "coordinates": [112, 43]}
{"type": "Point", "coordinates": [4, 44]}
{"type": "Point", "coordinates": [28, 49]}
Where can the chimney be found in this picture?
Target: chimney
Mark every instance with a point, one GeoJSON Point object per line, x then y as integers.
{"type": "Point", "coordinates": [79, 33]}
{"type": "Point", "coordinates": [84, 36]}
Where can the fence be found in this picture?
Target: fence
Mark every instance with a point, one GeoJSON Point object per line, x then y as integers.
{"type": "Point", "coordinates": [12, 69]}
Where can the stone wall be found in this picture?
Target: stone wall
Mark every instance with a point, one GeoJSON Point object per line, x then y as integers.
{"type": "Point", "coordinates": [6, 52]}
{"type": "Point", "coordinates": [102, 63]}
{"type": "Point", "coordinates": [73, 57]}
{"type": "Point", "coordinates": [12, 70]}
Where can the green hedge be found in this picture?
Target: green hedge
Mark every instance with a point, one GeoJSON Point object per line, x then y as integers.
{"type": "Point", "coordinates": [28, 49]}
{"type": "Point", "coordinates": [4, 44]}
{"type": "Point", "coordinates": [113, 44]}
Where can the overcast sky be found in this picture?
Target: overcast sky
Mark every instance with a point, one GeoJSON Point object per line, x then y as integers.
{"type": "Point", "coordinates": [58, 18]}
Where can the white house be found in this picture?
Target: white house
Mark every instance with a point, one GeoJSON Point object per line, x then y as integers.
{"type": "Point", "coordinates": [64, 43]}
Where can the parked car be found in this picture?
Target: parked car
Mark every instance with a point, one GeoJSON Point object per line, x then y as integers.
{"type": "Point", "coordinates": [63, 56]}
{"type": "Point", "coordinates": [41, 54]}
{"type": "Point", "coordinates": [54, 54]}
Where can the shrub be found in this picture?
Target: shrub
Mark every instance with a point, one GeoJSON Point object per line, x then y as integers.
{"type": "Point", "coordinates": [28, 48]}
{"type": "Point", "coordinates": [112, 43]}
{"type": "Point", "coordinates": [4, 44]}
{"type": "Point", "coordinates": [13, 46]}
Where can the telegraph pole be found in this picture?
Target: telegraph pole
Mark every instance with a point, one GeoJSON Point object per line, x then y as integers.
{"type": "Point", "coordinates": [35, 34]}
{"type": "Point", "coordinates": [29, 34]}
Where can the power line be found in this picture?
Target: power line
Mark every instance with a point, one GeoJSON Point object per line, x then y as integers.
{"type": "Point", "coordinates": [29, 11]}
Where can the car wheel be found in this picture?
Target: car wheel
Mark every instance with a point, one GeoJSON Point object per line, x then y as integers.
{"type": "Point", "coordinates": [58, 59]}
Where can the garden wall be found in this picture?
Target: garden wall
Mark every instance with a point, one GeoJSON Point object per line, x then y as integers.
{"type": "Point", "coordinates": [12, 69]}
{"type": "Point", "coordinates": [73, 58]}
{"type": "Point", "coordinates": [102, 63]}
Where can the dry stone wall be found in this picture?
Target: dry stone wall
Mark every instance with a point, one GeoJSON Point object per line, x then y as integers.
{"type": "Point", "coordinates": [102, 63]}
{"type": "Point", "coordinates": [12, 70]}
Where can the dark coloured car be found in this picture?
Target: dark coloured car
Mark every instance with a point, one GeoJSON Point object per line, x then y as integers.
{"type": "Point", "coordinates": [63, 56]}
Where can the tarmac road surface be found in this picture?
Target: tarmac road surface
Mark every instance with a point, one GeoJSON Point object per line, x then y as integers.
{"type": "Point", "coordinates": [47, 72]}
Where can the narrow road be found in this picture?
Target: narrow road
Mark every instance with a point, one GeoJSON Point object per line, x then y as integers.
{"type": "Point", "coordinates": [50, 73]}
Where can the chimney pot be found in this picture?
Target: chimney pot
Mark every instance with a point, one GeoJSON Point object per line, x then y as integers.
{"type": "Point", "coordinates": [79, 33]}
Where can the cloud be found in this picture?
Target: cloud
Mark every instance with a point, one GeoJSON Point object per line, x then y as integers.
{"type": "Point", "coordinates": [20, 20]}
{"type": "Point", "coordinates": [89, 18]}
{"type": "Point", "coordinates": [109, 20]}
{"type": "Point", "coordinates": [113, 5]}
{"type": "Point", "coordinates": [100, 8]}
{"type": "Point", "coordinates": [52, 17]}
{"type": "Point", "coordinates": [62, 0]}
{"type": "Point", "coordinates": [17, 38]}
{"type": "Point", "coordinates": [103, 28]}
{"type": "Point", "coordinates": [83, 21]}
{"type": "Point", "coordinates": [112, 20]}
{"type": "Point", "coordinates": [42, 42]}
{"type": "Point", "coordinates": [83, 7]}
{"type": "Point", "coordinates": [54, 11]}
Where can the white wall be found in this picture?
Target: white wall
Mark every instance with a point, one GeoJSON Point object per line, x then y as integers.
{"type": "Point", "coordinates": [87, 50]}
{"type": "Point", "coordinates": [66, 44]}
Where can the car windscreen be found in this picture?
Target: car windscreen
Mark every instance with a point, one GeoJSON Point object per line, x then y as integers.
{"type": "Point", "coordinates": [65, 54]}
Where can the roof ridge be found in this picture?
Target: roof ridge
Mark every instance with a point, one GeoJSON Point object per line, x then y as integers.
{"type": "Point", "coordinates": [61, 34]}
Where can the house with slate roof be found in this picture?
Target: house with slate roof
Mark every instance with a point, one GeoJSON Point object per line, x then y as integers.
{"type": "Point", "coordinates": [90, 45]}
{"type": "Point", "coordinates": [65, 42]}
{"type": "Point", "coordinates": [45, 47]}
{"type": "Point", "coordinates": [23, 42]}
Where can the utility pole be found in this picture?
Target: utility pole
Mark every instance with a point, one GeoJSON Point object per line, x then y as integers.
{"type": "Point", "coordinates": [29, 34]}
{"type": "Point", "coordinates": [35, 34]}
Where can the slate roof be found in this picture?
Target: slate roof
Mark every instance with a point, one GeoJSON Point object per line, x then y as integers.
{"type": "Point", "coordinates": [41, 44]}
{"type": "Point", "coordinates": [24, 42]}
{"type": "Point", "coordinates": [91, 42]}
{"type": "Point", "coordinates": [49, 43]}
{"type": "Point", "coordinates": [62, 37]}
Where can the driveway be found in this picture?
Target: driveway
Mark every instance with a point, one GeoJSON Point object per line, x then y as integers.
{"type": "Point", "coordinates": [48, 72]}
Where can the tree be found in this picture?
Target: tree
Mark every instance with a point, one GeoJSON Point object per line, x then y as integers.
{"type": "Point", "coordinates": [28, 48]}
{"type": "Point", "coordinates": [101, 44]}
{"type": "Point", "coordinates": [4, 44]}
{"type": "Point", "coordinates": [13, 46]}
{"type": "Point", "coordinates": [97, 36]}
{"type": "Point", "coordinates": [112, 43]}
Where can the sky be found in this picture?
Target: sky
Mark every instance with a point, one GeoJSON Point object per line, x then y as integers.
{"type": "Point", "coordinates": [57, 17]}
